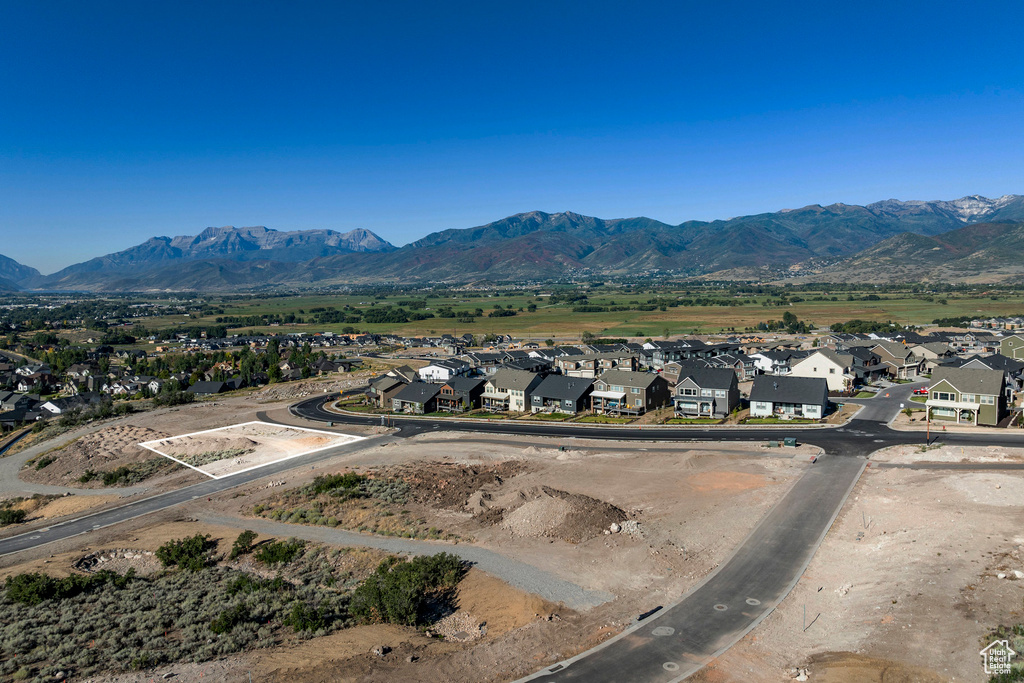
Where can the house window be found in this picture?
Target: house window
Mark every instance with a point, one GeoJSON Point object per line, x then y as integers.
{"type": "Point", "coordinates": [707, 392]}
{"type": "Point", "coordinates": [967, 398]}
{"type": "Point", "coordinates": [942, 396]}
{"type": "Point", "coordinates": [719, 393]}
{"type": "Point", "coordinates": [616, 387]}
{"type": "Point", "coordinates": [689, 392]}
{"type": "Point", "coordinates": [988, 400]}
{"type": "Point", "coordinates": [636, 390]}
{"type": "Point", "coordinates": [944, 412]}
{"type": "Point", "coordinates": [831, 371]}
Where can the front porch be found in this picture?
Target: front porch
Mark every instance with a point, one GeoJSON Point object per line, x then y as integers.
{"type": "Point", "coordinates": [959, 412]}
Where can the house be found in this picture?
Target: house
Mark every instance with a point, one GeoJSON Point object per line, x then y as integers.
{"type": "Point", "coordinates": [1014, 370]}
{"type": "Point", "coordinates": [560, 394]}
{"type": "Point", "coordinates": [443, 370]}
{"type": "Point", "coordinates": [901, 361]}
{"type": "Point", "coordinates": [593, 364]}
{"type": "Point", "coordinates": [528, 364]}
{"type": "Point", "coordinates": [1012, 346]}
{"type": "Point", "coordinates": [789, 397]}
{"type": "Point", "coordinates": [934, 354]}
{"type": "Point", "coordinates": [417, 398]}
{"type": "Point", "coordinates": [208, 388]}
{"type": "Point", "coordinates": [835, 368]}
{"type": "Point", "coordinates": [742, 364]}
{"type": "Point", "coordinates": [967, 396]}
{"type": "Point", "coordinates": [404, 373]}
{"type": "Point", "coordinates": [775, 362]}
{"type": "Point", "coordinates": [706, 392]}
{"type": "Point", "coordinates": [383, 389]}
{"type": "Point", "coordinates": [62, 406]}
{"type": "Point", "coordinates": [509, 390]}
{"type": "Point", "coordinates": [460, 394]}
{"type": "Point", "coordinates": [632, 393]}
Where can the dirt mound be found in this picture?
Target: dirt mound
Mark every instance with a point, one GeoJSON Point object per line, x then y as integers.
{"type": "Point", "coordinates": [188, 447]}
{"type": "Point", "coordinates": [449, 485]}
{"type": "Point", "coordinates": [550, 513]}
{"type": "Point", "coordinates": [101, 451]}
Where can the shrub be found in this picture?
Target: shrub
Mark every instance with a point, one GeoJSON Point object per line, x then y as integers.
{"type": "Point", "coordinates": [243, 544]}
{"type": "Point", "coordinates": [34, 588]}
{"type": "Point", "coordinates": [12, 517]}
{"type": "Point", "coordinates": [279, 552]}
{"type": "Point", "coordinates": [247, 583]}
{"type": "Point", "coordinates": [87, 477]}
{"type": "Point", "coordinates": [192, 553]}
{"type": "Point", "coordinates": [226, 621]}
{"type": "Point", "coordinates": [44, 461]}
{"type": "Point", "coordinates": [397, 592]}
{"type": "Point", "coordinates": [304, 617]}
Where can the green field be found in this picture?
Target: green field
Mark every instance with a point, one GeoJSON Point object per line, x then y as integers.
{"type": "Point", "coordinates": [727, 311]}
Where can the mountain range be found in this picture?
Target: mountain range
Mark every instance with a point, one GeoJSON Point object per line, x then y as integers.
{"type": "Point", "coordinates": [885, 241]}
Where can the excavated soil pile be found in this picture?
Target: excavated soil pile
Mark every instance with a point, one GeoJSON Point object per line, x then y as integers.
{"type": "Point", "coordinates": [450, 486]}
{"type": "Point", "coordinates": [546, 512]}
{"type": "Point", "coordinates": [101, 451]}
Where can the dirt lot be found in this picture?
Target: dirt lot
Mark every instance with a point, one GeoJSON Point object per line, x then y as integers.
{"type": "Point", "coordinates": [236, 448]}
{"type": "Point", "coordinates": [905, 587]}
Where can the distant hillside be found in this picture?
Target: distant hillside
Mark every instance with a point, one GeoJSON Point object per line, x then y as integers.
{"type": "Point", "coordinates": [14, 272]}
{"type": "Point", "coordinates": [984, 252]}
{"type": "Point", "coordinates": [6, 286]}
{"type": "Point", "coordinates": [217, 248]}
{"type": "Point", "coordinates": [535, 246]}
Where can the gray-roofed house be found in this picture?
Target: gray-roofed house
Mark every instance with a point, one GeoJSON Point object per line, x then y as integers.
{"type": "Point", "coordinates": [560, 394]}
{"type": "Point", "coordinates": [789, 397]}
{"type": "Point", "coordinates": [383, 389]}
{"type": "Point", "coordinates": [631, 393]}
{"type": "Point", "coordinates": [967, 396]}
{"type": "Point", "coordinates": [509, 390]}
{"type": "Point", "coordinates": [417, 398]}
{"type": "Point", "coordinates": [706, 392]}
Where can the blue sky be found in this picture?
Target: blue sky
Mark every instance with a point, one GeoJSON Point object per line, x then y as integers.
{"type": "Point", "coordinates": [121, 121]}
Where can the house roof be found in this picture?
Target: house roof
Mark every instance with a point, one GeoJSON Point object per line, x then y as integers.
{"type": "Point", "coordinates": [628, 378]}
{"type": "Point", "coordinates": [969, 381]}
{"type": "Point", "coordinates": [995, 362]}
{"type": "Point", "coordinates": [843, 360]}
{"type": "Point", "coordinates": [466, 384]}
{"type": "Point", "coordinates": [563, 388]}
{"type": "Point", "coordinates": [404, 372]}
{"type": "Point", "coordinates": [708, 378]}
{"type": "Point", "coordinates": [207, 388]}
{"type": "Point", "coordinates": [385, 383]}
{"type": "Point", "coordinates": [809, 390]}
{"type": "Point", "coordinates": [507, 378]}
{"type": "Point", "coordinates": [418, 392]}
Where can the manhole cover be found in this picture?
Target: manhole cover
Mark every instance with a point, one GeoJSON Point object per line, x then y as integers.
{"type": "Point", "coordinates": [670, 666]}
{"type": "Point", "coordinates": [753, 602]}
{"type": "Point", "coordinates": [720, 607]}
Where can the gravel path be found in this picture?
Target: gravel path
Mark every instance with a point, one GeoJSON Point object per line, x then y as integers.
{"type": "Point", "coordinates": [513, 572]}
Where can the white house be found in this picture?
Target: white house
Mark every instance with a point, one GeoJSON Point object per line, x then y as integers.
{"type": "Point", "coordinates": [443, 370]}
{"type": "Point", "coordinates": [835, 368]}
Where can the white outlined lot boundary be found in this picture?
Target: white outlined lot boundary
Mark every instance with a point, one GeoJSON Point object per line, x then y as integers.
{"type": "Point", "coordinates": [337, 440]}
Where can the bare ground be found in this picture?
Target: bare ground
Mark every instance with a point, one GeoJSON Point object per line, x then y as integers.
{"type": "Point", "coordinates": [905, 586]}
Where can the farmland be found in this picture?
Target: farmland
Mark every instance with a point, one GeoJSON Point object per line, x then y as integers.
{"type": "Point", "coordinates": [602, 311]}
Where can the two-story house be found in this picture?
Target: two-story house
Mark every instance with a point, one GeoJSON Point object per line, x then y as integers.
{"type": "Point", "coordinates": [443, 370]}
{"type": "Point", "coordinates": [416, 398]}
{"type": "Point", "coordinates": [632, 393]}
{"type": "Point", "coordinates": [966, 396]}
{"type": "Point", "coordinates": [509, 390]}
{"type": "Point", "coordinates": [706, 392]}
{"type": "Point", "coordinates": [460, 394]}
{"type": "Point", "coordinates": [835, 368]}
{"type": "Point", "coordinates": [560, 394]}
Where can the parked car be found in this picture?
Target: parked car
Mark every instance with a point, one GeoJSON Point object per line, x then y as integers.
{"type": "Point", "coordinates": [921, 391]}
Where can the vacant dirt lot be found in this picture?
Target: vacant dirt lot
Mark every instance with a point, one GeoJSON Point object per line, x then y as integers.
{"type": "Point", "coordinates": [905, 587]}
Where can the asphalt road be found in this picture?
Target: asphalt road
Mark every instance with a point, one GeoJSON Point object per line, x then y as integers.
{"type": "Point", "coordinates": [679, 641]}
{"type": "Point", "coordinates": [204, 489]}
